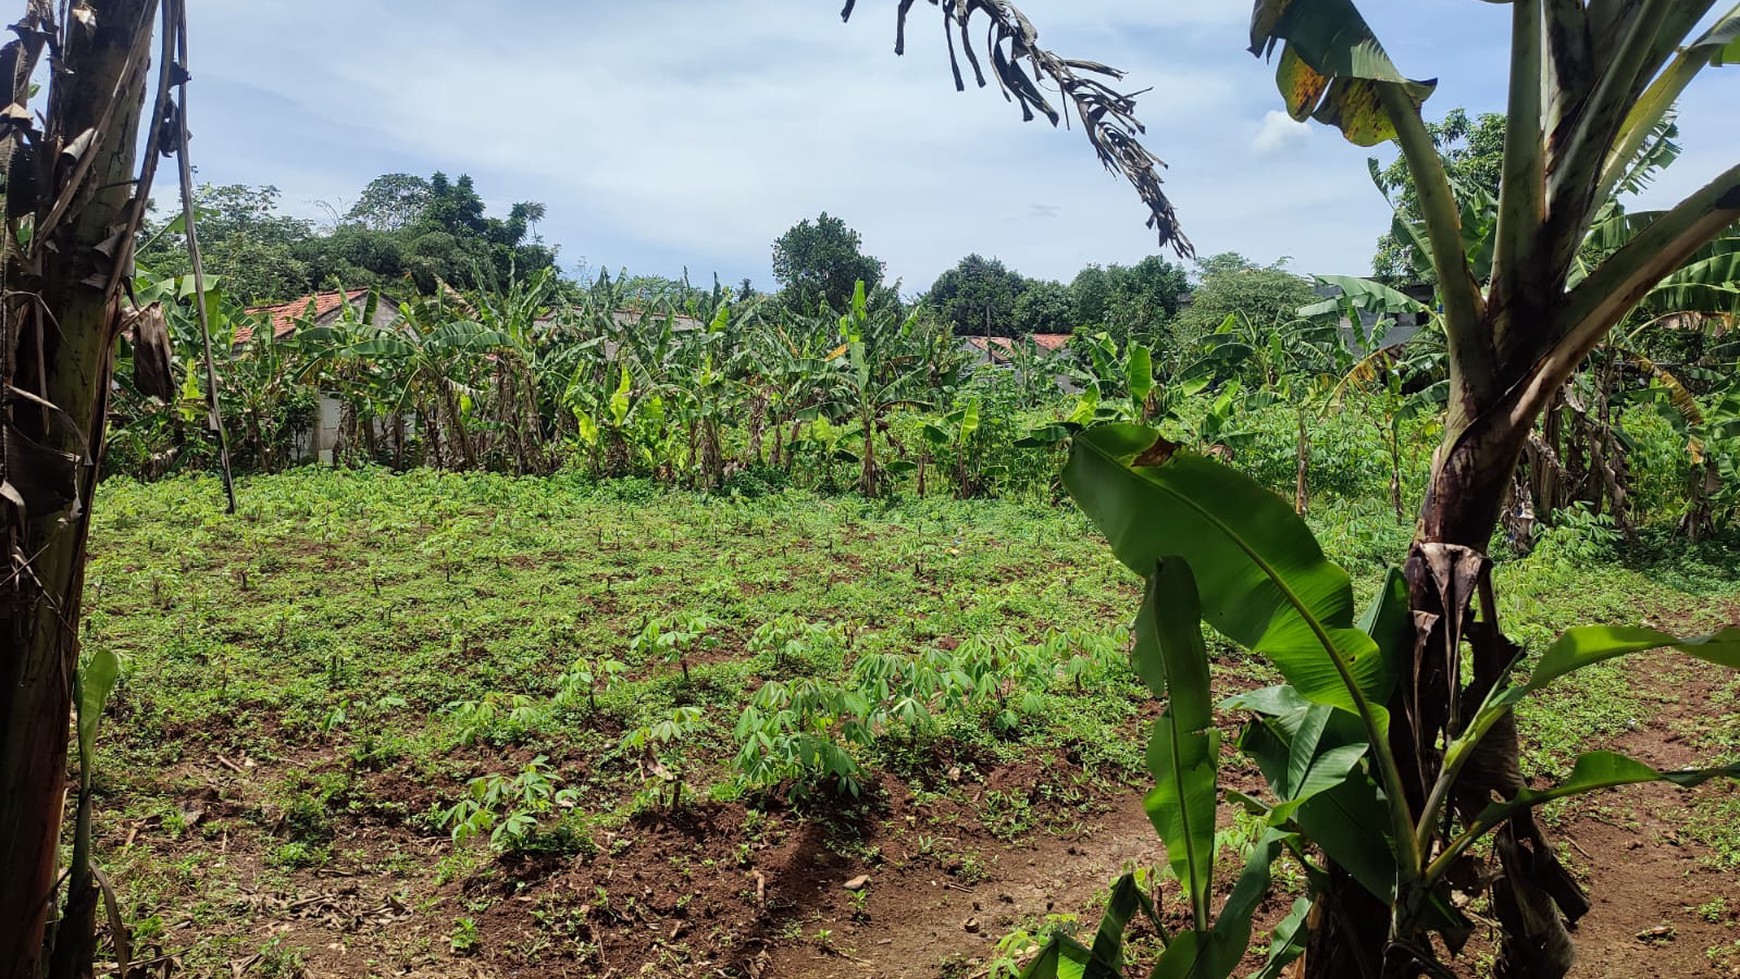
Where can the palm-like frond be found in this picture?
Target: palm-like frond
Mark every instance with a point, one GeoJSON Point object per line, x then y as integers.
{"type": "Point", "coordinates": [1022, 69]}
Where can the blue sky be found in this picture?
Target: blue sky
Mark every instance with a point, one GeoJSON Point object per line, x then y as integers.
{"type": "Point", "coordinates": [665, 134]}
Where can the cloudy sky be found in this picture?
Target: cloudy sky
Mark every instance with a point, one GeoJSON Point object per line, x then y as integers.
{"type": "Point", "coordinates": [672, 134]}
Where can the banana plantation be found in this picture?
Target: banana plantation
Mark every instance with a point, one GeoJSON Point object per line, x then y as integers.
{"type": "Point", "coordinates": [707, 391]}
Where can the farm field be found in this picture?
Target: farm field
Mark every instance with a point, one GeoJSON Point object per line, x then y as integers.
{"type": "Point", "coordinates": [534, 563]}
{"type": "Point", "coordinates": [467, 724]}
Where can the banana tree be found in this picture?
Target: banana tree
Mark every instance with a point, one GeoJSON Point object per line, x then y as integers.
{"type": "Point", "coordinates": [953, 433]}
{"type": "Point", "coordinates": [623, 386]}
{"type": "Point", "coordinates": [76, 193]}
{"type": "Point", "coordinates": [333, 362]}
{"type": "Point", "coordinates": [1218, 549]}
{"type": "Point", "coordinates": [151, 435]}
{"type": "Point", "coordinates": [1400, 380]}
{"type": "Point", "coordinates": [1116, 385]}
{"type": "Point", "coordinates": [793, 374]}
{"type": "Point", "coordinates": [704, 387]}
{"type": "Point", "coordinates": [1590, 82]}
{"type": "Point", "coordinates": [880, 360]}
{"type": "Point", "coordinates": [514, 405]}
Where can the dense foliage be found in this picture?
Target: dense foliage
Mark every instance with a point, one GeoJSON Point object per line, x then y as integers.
{"type": "Point", "coordinates": [719, 390]}
{"type": "Point", "coordinates": [403, 231]}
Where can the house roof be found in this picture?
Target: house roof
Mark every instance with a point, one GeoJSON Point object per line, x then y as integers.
{"type": "Point", "coordinates": [1000, 347]}
{"type": "Point", "coordinates": [286, 317]}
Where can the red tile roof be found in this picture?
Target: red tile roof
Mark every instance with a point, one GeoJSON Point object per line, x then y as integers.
{"type": "Point", "coordinates": [285, 318]}
{"type": "Point", "coordinates": [986, 343]}
{"type": "Point", "coordinates": [1000, 347]}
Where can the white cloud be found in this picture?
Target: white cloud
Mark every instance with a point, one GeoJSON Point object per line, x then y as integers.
{"type": "Point", "coordinates": [1279, 132]}
{"type": "Point", "coordinates": [672, 133]}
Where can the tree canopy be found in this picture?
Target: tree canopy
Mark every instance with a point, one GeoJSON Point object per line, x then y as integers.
{"type": "Point", "coordinates": [977, 297]}
{"type": "Point", "coordinates": [820, 262]}
{"type": "Point", "coordinates": [1473, 153]}
{"type": "Point", "coordinates": [1264, 294]}
{"type": "Point", "coordinates": [404, 231]}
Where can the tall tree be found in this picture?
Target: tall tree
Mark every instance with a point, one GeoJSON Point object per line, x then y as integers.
{"type": "Point", "coordinates": [251, 249]}
{"type": "Point", "coordinates": [977, 297]}
{"type": "Point", "coordinates": [1131, 301]}
{"type": "Point", "coordinates": [430, 230]}
{"type": "Point", "coordinates": [391, 202]}
{"type": "Point", "coordinates": [1044, 307]}
{"type": "Point", "coordinates": [1265, 295]}
{"type": "Point", "coordinates": [83, 200]}
{"type": "Point", "coordinates": [820, 262]}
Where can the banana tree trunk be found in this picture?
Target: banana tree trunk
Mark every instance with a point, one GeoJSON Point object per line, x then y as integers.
{"type": "Point", "coordinates": [459, 439]}
{"type": "Point", "coordinates": [58, 347]}
{"type": "Point", "coordinates": [1350, 937]}
{"type": "Point", "coordinates": [867, 477]}
{"type": "Point", "coordinates": [1302, 486]}
{"type": "Point", "coordinates": [1447, 580]}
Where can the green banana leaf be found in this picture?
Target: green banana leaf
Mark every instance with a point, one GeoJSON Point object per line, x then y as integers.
{"type": "Point", "coordinates": [1214, 954]}
{"type": "Point", "coordinates": [1287, 942]}
{"type": "Point", "coordinates": [96, 681]}
{"type": "Point", "coordinates": [1184, 747]}
{"type": "Point", "coordinates": [1601, 770]}
{"type": "Point", "coordinates": [1263, 579]}
{"type": "Point", "coordinates": [1588, 645]}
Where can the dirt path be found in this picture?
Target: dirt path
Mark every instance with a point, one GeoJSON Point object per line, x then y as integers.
{"type": "Point", "coordinates": [919, 918]}
{"type": "Point", "coordinates": [1660, 907]}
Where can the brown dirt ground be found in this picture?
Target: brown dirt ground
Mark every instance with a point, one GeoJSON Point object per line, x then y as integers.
{"type": "Point", "coordinates": [714, 893]}
{"type": "Point", "coordinates": [1646, 880]}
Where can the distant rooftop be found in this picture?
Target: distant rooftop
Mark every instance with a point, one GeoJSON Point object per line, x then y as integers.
{"type": "Point", "coordinates": [287, 316]}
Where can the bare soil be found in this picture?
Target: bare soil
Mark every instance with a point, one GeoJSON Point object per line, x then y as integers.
{"type": "Point", "coordinates": [717, 892]}
{"type": "Point", "coordinates": [1660, 905]}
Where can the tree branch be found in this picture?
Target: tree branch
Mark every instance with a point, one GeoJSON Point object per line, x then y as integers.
{"type": "Point", "coordinates": [1021, 67]}
{"type": "Point", "coordinates": [1471, 353]}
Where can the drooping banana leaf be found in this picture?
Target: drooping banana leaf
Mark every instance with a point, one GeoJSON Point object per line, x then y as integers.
{"type": "Point", "coordinates": [1601, 770]}
{"type": "Point", "coordinates": [1331, 66]}
{"type": "Point", "coordinates": [1588, 645]}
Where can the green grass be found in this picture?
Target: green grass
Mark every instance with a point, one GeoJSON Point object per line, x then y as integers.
{"type": "Point", "coordinates": [320, 638]}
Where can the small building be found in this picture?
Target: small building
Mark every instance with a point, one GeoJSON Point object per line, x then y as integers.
{"type": "Point", "coordinates": [1002, 352]}
{"type": "Point", "coordinates": [320, 309]}
{"type": "Point", "coordinates": [1402, 327]}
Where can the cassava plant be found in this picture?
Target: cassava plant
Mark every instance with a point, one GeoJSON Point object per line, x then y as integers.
{"type": "Point", "coordinates": [509, 809]}
{"type": "Point", "coordinates": [660, 750]}
{"type": "Point", "coordinates": [672, 638]}
{"type": "Point", "coordinates": [800, 735]}
{"type": "Point", "coordinates": [588, 676]}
